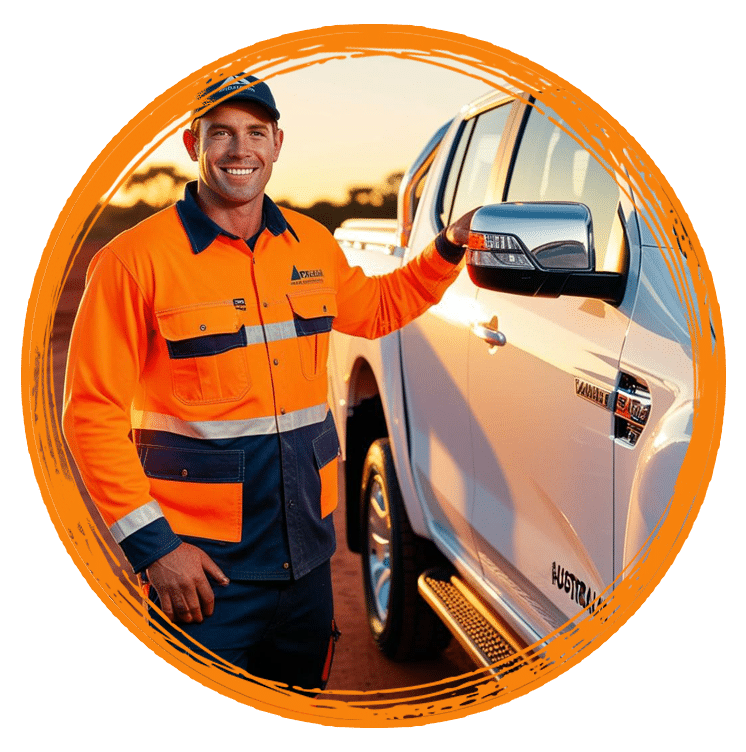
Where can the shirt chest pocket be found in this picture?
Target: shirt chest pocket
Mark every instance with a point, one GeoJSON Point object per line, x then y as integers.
{"type": "Point", "coordinates": [207, 352]}
{"type": "Point", "coordinates": [313, 316]}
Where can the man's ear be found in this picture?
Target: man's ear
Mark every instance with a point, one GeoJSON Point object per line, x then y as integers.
{"type": "Point", "coordinates": [190, 141]}
{"type": "Point", "coordinates": [279, 138]}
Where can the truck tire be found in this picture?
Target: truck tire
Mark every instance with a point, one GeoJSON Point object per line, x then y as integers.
{"type": "Point", "coordinates": [402, 624]}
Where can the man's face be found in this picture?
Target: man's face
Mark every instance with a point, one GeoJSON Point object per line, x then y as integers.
{"type": "Point", "coordinates": [236, 145]}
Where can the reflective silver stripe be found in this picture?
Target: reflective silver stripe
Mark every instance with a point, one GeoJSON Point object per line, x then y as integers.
{"type": "Point", "coordinates": [136, 520]}
{"type": "Point", "coordinates": [204, 429]}
{"type": "Point", "coordinates": [301, 418]}
{"type": "Point", "coordinates": [274, 332]}
{"type": "Point", "coordinates": [229, 429]}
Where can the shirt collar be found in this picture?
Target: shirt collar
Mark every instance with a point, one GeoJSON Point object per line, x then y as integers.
{"type": "Point", "coordinates": [202, 231]}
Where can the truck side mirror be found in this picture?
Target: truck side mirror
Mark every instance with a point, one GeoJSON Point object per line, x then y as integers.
{"type": "Point", "coordinates": [543, 249]}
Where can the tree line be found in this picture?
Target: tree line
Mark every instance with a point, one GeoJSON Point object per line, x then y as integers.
{"type": "Point", "coordinates": [160, 186]}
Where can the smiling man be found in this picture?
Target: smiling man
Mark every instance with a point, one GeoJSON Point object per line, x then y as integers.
{"type": "Point", "coordinates": [195, 395]}
{"type": "Point", "coordinates": [235, 145]}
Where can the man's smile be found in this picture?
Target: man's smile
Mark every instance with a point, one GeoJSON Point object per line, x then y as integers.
{"type": "Point", "coordinates": [235, 146]}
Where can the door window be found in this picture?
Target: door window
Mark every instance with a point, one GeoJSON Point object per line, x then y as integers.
{"type": "Point", "coordinates": [552, 166]}
{"type": "Point", "coordinates": [473, 187]}
{"type": "Point", "coordinates": [449, 190]}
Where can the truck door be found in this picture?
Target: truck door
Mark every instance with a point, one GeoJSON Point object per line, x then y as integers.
{"type": "Point", "coordinates": [542, 429]}
{"type": "Point", "coordinates": [434, 350]}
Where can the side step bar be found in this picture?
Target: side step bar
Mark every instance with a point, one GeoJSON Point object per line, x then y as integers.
{"type": "Point", "coordinates": [480, 633]}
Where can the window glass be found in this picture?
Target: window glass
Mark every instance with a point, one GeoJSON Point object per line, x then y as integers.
{"type": "Point", "coordinates": [453, 172]}
{"type": "Point", "coordinates": [552, 166]}
{"type": "Point", "coordinates": [419, 189]}
{"type": "Point", "coordinates": [474, 179]}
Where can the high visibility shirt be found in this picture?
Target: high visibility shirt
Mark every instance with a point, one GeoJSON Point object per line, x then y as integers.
{"type": "Point", "coordinates": [195, 394]}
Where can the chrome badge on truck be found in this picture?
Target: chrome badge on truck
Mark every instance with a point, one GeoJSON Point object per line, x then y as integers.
{"type": "Point", "coordinates": [575, 588]}
{"type": "Point", "coordinates": [630, 402]}
{"type": "Point", "coordinates": [592, 393]}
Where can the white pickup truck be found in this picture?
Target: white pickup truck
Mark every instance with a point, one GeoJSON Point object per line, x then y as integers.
{"type": "Point", "coordinates": [510, 452]}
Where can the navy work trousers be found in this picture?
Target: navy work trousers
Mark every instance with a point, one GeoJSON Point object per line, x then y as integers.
{"type": "Point", "coordinates": [282, 631]}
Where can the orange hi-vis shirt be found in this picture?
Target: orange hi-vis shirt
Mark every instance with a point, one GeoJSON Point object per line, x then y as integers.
{"type": "Point", "coordinates": [195, 395]}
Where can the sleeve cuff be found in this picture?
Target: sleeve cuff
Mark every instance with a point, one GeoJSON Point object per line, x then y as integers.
{"type": "Point", "coordinates": [149, 543]}
{"type": "Point", "coordinates": [449, 251]}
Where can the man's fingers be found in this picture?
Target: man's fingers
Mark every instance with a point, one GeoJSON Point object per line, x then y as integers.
{"type": "Point", "coordinates": [178, 609]}
{"type": "Point", "coordinates": [206, 597]}
{"type": "Point", "coordinates": [213, 569]}
{"type": "Point", "coordinates": [191, 608]}
{"type": "Point", "coordinates": [180, 578]}
{"type": "Point", "coordinates": [183, 605]}
{"type": "Point", "coordinates": [166, 606]}
{"type": "Point", "coordinates": [458, 231]}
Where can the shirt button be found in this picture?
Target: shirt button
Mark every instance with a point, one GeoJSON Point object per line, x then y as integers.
{"type": "Point", "coordinates": [286, 566]}
{"type": "Point", "coordinates": [277, 362]}
{"type": "Point", "coordinates": [265, 304]}
{"type": "Point", "coordinates": [282, 411]}
{"type": "Point", "coordinates": [184, 473]}
{"type": "Point", "coordinates": [202, 327]}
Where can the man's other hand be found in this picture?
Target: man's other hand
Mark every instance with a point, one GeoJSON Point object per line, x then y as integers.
{"type": "Point", "coordinates": [458, 232]}
{"type": "Point", "coordinates": [181, 583]}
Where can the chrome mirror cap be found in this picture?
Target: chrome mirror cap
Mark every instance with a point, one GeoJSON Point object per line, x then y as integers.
{"type": "Point", "coordinates": [532, 235]}
{"type": "Point", "coordinates": [542, 249]}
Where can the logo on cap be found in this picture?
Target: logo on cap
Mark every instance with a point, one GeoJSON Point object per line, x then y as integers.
{"type": "Point", "coordinates": [240, 86]}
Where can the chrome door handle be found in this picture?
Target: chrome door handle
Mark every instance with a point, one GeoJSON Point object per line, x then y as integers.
{"type": "Point", "coordinates": [489, 333]}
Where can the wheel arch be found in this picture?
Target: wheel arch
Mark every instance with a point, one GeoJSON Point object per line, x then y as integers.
{"type": "Point", "coordinates": [376, 408]}
{"type": "Point", "coordinates": [366, 422]}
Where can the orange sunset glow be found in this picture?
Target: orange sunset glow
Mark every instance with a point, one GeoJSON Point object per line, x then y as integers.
{"type": "Point", "coordinates": [345, 127]}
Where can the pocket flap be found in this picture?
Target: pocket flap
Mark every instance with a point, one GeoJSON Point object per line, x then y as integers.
{"type": "Point", "coordinates": [198, 321]}
{"type": "Point", "coordinates": [192, 465]}
{"type": "Point", "coordinates": [326, 446]}
{"type": "Point", "coordinates": [314, 304]}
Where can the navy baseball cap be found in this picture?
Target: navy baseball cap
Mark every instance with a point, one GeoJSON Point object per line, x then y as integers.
{"type": "Point", "coordinates": [221, 92]}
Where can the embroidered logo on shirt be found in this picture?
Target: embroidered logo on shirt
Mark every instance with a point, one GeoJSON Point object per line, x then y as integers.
{"type": "Point", "coordinates": [306, 276]}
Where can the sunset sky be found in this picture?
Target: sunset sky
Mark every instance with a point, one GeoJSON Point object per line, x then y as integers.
{"type": "Point", "coordinates": [348, 122]}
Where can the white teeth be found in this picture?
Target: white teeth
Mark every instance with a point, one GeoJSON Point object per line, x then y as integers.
{"type": "Point", "coordinates": [237, 171]}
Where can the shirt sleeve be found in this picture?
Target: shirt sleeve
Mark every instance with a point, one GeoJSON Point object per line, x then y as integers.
{"type": "Point", "coordinates": [108, 347]}
{"type": "Point", "coordinates": [375, 306]}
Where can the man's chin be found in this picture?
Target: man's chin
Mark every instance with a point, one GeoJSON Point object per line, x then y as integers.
{"type": "Point", "coordinates": [232, 198]}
